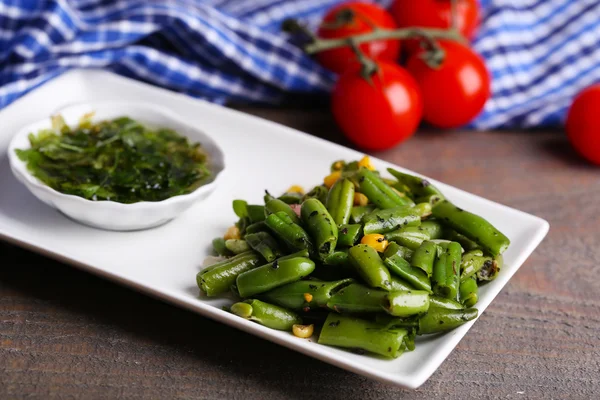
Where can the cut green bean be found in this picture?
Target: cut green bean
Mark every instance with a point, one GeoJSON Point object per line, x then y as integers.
{"type": "Point", "coordinates": [378, 192]}
{"type": "Point", "coordinates": [410, 237]}
{"type": "Point", "coordinates": [292, 234]}
{"type": "Point", "coordinates": [291, 198]}
{"type": "Point", "coordinates": [357, 298]}
{"type": "Point", "coordinates": [305, 295]}
{"type": "Point", "coordinates": [219, 247]}
{"type": "Point", "coordinates": [349, 235]}
{"type": "Point", "coordinates": [489, 272]}
{"type": "Point", "coordinates": [383, 221]}
{"type": "Point", "coordinates": [266, 314]}
{"type": "Point", "coordinates": [395, 248]}
{"type": "Point", "coordinates": [237, 246]}
{"type": "Point", "coordinates": [433, 228]}
{"type": "Point", "coordinates": [464, 241]}
{"type": "Point", "coordinates": [318, 192]}
{"type": "Point", "coordinates": [354, 333]}
{"type": "Point", "coordinates": [423, 209]}
{"type": "Point", "coordinates": [339, 257]}
{"type": "Point", "coordinates": [442, 319]}
{"type": "Point", "coordinates": [358, 213]}
{"type": "Point", "coordinates": [340, 201]}
{"type": "Point", "coordinates": [275, 274]}
{"type": "Point", "coordinates": [442, 302]}
{"type": "Point", "coordinates": [219, 277]}
{"type": "Point", "coordinates": [424, 257]}
{"type": "Point", "coordinates": [369, 266]}
{"type": "Point", "coordinates": [469, 292]}
{"type": "Point", "coordinates": [400, 284]}
{"type": "Point", "coordinates": [419, 187]}
{"type": "Point", "coordinates": [257, 227]}
{"type": "Point", "coordinates": [472, 226]}
{"type": "Point", "coordinates": [446, 271]}
{"type": "Point", "coordinates": [406, 303]}
{"type": "Point", "coordinates": [472, 262]}
{"type": "Point", "coordinates": [401, 268]}
{"type": "Point", "coordinates": [320, 226]}
{"type": "Point", "coordinates": [275, 206]}
{"type": "Point", "coordinates": [265, 244]}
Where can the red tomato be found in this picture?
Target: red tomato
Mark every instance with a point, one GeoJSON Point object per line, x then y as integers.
{"type": "Point", "coordinates": [436, 14]}
{"type": "Point", "coordinates": [380, 114]}
{"type": "Point", "coordinates": [366, 16]}
{"type": "Point", "coordinates": [583, 123]}
{"type": "Point", "coordinates": [455, 93]}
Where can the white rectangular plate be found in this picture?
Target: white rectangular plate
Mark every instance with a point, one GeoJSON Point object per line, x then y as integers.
{"type": "Point", "coordinates": [163, 262]}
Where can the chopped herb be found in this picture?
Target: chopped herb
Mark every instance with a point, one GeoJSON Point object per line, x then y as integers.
{"type": "Point", "coordinates": [119, 160]}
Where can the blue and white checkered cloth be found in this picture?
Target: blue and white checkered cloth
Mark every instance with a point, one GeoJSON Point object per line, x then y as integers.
{"type": "Point", "coordinates": [540, 52]}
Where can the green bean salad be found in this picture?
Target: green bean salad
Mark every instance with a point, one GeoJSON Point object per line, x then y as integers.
{"type": "Point", "coordinates": [363, 262]}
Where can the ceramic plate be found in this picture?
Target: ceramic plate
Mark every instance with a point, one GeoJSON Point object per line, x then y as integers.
{"type": "Point", "coordinates": [163, 262]}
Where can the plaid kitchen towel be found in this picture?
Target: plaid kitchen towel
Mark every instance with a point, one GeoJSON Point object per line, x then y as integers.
{"type": "Point", "coordinates": [540, 52]}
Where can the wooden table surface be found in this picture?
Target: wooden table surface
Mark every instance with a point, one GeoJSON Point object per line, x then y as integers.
{"type": "Point", "coordinates": [65, 333]}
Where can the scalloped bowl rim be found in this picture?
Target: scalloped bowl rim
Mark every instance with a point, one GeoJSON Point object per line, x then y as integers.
{"type": "Point", "coordinates": [19, 167]}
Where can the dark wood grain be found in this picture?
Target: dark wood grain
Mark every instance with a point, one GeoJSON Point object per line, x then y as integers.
{"type": "Point", "coordinates": [65, 333]}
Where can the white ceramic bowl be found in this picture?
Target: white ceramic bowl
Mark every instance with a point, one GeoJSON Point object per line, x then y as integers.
{"type": "Point", "coordinates": [111, 215]}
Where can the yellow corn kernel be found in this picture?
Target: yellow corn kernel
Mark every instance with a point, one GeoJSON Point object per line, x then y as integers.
{"type": "Point", "coordinates": [360, 199]}
{"type": "Point", "coordinates": [295, 189]}
{"type": "Point", "coordinates": [232, 233]}
{"type": "Point", "coordinates": [376, 241]}
{"type": "Point", "coordinates": [366, 162]}
{"type": "Point", "coordinates": [332, 178]}
{"type": "Point", "coordinates": [308, 297]}
{"type": "Point", "coordinates": [303, 331]}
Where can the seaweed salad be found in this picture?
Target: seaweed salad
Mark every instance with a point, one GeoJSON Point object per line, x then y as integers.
{"type": "Point", "coordinates": [120, 160]}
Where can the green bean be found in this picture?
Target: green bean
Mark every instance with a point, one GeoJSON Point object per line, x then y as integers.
{"type": "Point", "coordinates": [472, 262]}
{"type": "Point", "coordinates": [340, 200]}
{"type": "Point", "coordinates": [219, 247]}
{"type": "Point", "coordinates": [395, 248]}
{"type": "Point", "coordinates": [410, 236]}
{"type": "Point", "coordinates": [301, 253]}
{"type": "Point", "coordinates": [275, 206]}
{"type": "Point", "coordinates": [401, 268]}
{"type": "Point", "coordinates": [265, 244]}
{"type": "Point", "coordinates": [357, 298]}
{"type": "Point", "coordinates": [291, 198]}
{"type": "Point", "coordinates": [353, 333]}
{"type": "Point", "coordinates": [464, 241]}
{"type": "Point", "coordinates": [339, 257]}
{"type": "Point", "coordinates": [400, 284]}
{"type": "Point", "coordinates": [446, 271]}
{"type": "Point", "coordinates": [469, 292]}
{"type": "Point", "coordinates": [472, 226]}
{"type": "Point", "coordinates": [442, 302]}
{"type": "Point", "coordinates": [320, 226]}
{"type": "Point", "coordinates": [319, 192]}
{"type": "Point", "coordinates": [257, 227]}
{"type": "Point", "coordinates": [489, 272]}
{"type": "Point", "coordinates": [441, 319]}
{"type": "Point", "coordinates": [419, 187]}
{"type": "Point", "coordinates": [378, 192]}
{"type": "Point", "coordinates": [240, 208]}
{"type": "Point", "coordinates": [237, 246]}
{"type": "Point", "coordinates": [423, 209]}
{"type": "Point", "coordinates": [292, 234]}
{"type": "Point", "coordinates": [369, 266]}
{"type": "Point", "coordinates": [383, 221]}
{"type": "Point", "coordinates": [358, 213]}
{"type": "Point", "coordinates": [305, 295]}
{"type": "Point", "coordinates": [267, 197]}
{"type": "Point", "coordinates": [349, 235]}
{"type": "Point", "coordinates": [433, 228]}
{"type": "Point", "coordinates": [406, 303]}
{"type": "Point", "coordinates": [432, 199]}
{"type": "Point", "coordinates": [424, 257]}
{"type": "Point", "coordinates": [266, 314]}
{"type": "Point", "coordinates": [275, 274]}
{"type": "Point", "coordinates": [219, 278]}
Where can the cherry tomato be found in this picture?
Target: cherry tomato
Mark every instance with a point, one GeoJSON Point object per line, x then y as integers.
{"type": "Point", "coordinates": [456, 91]}
{"type": "Point", "coordinates": [379, 114]}
{"type": "Point", "coordinates": [365, 17]}
{"type": "Point", "coordinates": [436, 14]}
{"type": "Point", "coordinates": [582, 123]}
